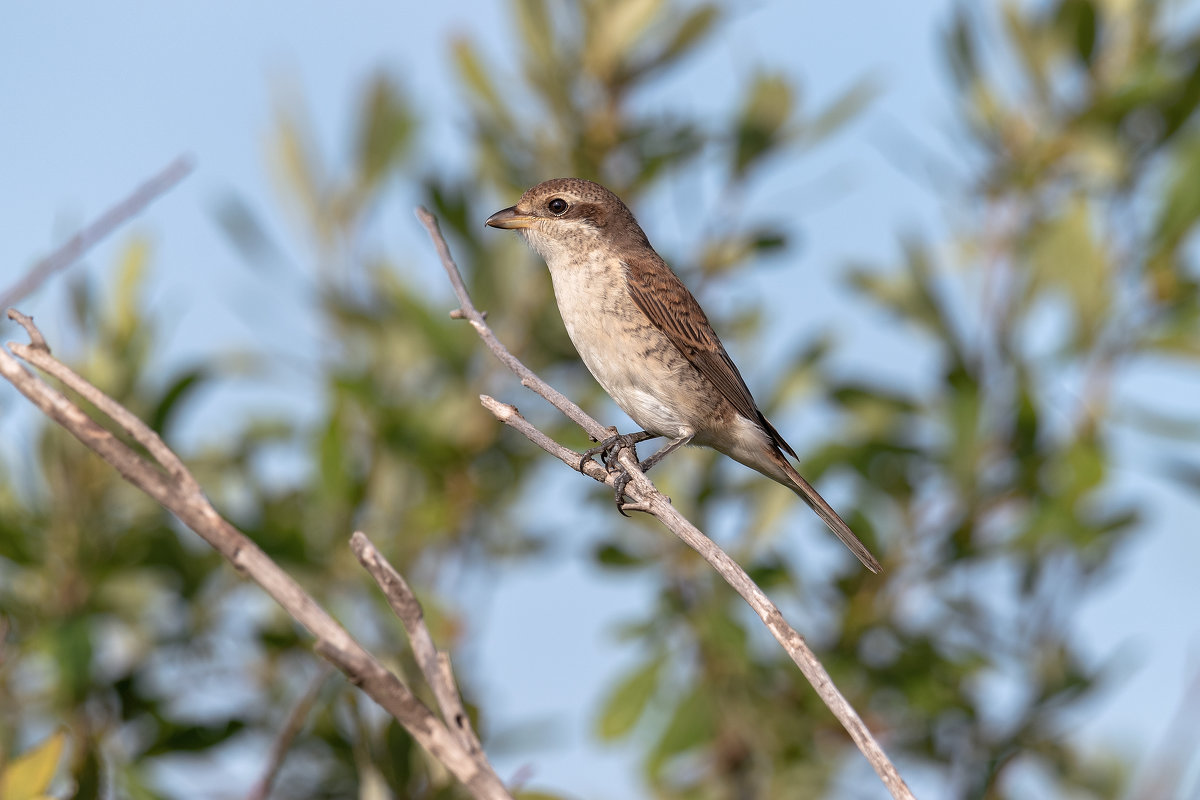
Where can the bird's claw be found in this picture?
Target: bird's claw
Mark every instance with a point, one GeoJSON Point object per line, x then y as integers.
{"type": "Point", "coordinates": [619, 483]}
{"type": "Point", "coordinates": [608, 449]}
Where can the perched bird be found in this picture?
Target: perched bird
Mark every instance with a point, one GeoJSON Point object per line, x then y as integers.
{"type": "Point", "coordinates": [646, 340]}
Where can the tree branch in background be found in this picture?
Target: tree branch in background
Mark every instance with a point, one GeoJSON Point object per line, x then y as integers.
{"type": "Point", "coordinates": [647, 498]}
{"type": "Point", "coordinates": [74, 248]}
{"type": "Point", "coordinates": [287, 734]}
{"type": "Point", "coordinates": [435, 666]}
{"type": "Point", "coordinates": [169, 482]}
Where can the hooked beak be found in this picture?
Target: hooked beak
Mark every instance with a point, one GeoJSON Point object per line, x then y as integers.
{"type": "Point", "coordinates": [510, 218]}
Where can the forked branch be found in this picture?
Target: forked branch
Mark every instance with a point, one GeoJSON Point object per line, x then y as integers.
{"type": "Point", "coordinates": [118, 214]}
{"type": "Point", "coordinates": [167, 480]}
{"type": "Point", "coordinates": [648, 499]}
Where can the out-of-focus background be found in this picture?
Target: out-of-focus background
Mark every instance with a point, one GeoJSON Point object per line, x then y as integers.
{"type": "Point", "coordinates": [951, 245]}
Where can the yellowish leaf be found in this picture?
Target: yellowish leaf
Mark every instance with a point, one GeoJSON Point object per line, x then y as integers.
{"type": "Point", "coordinates": [28, 777]}
{"type": "Point", "coordinates": [616, 32]}
{"type": "Point", "coordinates": [1066, 257]}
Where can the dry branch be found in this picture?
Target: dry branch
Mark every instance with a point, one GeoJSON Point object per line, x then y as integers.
{"type": "Point", "coordinates": [435, 666]}
{"type": "Point", "coordinates": [169, 482]}
{"type": "Point", "coordinates": [647, 498]}
{"type": "Point", "coordinates": [287, 734]}
{"type": "Point", "coordinates": [74, 248]}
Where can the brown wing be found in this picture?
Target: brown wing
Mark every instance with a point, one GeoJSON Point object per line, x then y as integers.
{"type": "Point", "coordinates": [672, 309]}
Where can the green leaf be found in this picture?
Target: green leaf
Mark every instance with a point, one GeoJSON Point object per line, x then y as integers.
{"type": "Point", "coordinates": [298, 168]}
{"type": "Point", "coordinates": [724, 253]}
{"type": "Point", "coordinates": [692, 724]}
{"type": "Point", "coordinates": [770, 571]}
{"type": "Point", "coordinates": [1179, 210]}
{"type": "Point", "coordinates": [760, 126]}
{"type": "Point", "coordinates": [615, 28]}
{"type": "Point", "coordinates": [71, 644]}
{"type": "Point", "coordinates": [28, 777]}
{"type": "Point", "coordinates": [690, 32]}
{"type": "Point", "coordinates": [1077, 24]}
{"type": "Point", "coordinates": [89, 776]}
{"type": "Point", "coordinates": [537, 32]}
{"type": "Point", "coordinates": [1066, 258]}
{"type": "Point", "coordinates": [845, 108]}
{"type": "Point", "coordinates": [964, 64]}
{"type": "Point", "coordinates": [131, 276]}
{"type": "Point", "coordinates": [1030, 45]}
{"type": "Point", "coordinates": [192, 737]}
{"type": "Point", "coordinates": [246, 232]}
{"type": "Point", "coordinates": [476, 77]}
{"type": "Point", "coordinates": [628, 701]}
{"type": "Point", "coordinates": [176, 393]}
{"type": "Point", "coordinates": [385, 130]}
{"type": "Point", "coordinates": [614, 556]}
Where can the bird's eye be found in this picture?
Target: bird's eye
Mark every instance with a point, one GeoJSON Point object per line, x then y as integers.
{"type": "Point", "coordinates": [557, 206]}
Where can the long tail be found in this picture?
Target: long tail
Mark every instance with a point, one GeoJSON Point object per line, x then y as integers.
{"type": "Point", "coordinates": [827, 514]}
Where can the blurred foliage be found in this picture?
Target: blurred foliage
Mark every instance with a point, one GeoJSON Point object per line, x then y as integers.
{"type": "Point", "coordinates": [987, 498]}
{"type": "Point", "coordinates": [29, 777]}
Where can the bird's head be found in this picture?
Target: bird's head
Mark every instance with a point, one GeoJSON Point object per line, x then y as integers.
{"type": "Point", "coordinates": [568, 216]}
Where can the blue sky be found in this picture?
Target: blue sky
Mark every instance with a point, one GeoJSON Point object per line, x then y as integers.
{"type": "Point", "coordinates": [94, 97]}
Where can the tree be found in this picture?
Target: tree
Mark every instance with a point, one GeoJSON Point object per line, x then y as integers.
{"type": "Point", "coordinates": [980, 480]}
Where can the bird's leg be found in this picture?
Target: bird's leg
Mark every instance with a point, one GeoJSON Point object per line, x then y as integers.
{"type": "Point", "coordinates": [623, 479]}
{"type": "Point", "coordinates": [609, 448]}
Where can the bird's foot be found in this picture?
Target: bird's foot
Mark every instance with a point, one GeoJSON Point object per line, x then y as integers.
{"type": "Point", "coordinates": [622, 480]}
{"type": "Point", "coordinates": [610, 448]}
{"type": "Point", "coordinates": [609, 451]}
{"type": "Point", "coordinates": [619, 483]}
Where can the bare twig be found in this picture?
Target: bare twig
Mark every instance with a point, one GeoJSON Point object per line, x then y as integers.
{"type": "Point", "coordinates": [435, 666]}
{"type": "Point", "coordinates": [1164, 775]}
{"type": "Point", "coordinates": [169, 482]}
{"type": "Point", "coordinates": [647, 498]}
{"type": "Point", "coordinates": [288, 733]}
{"type": "Point", "coordinates": [467, 310]}
{"type": "Point", "coordinates": [110, 220]}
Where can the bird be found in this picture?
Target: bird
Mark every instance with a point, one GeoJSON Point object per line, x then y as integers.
{"type": "Point", "coordinates": [647, 342]}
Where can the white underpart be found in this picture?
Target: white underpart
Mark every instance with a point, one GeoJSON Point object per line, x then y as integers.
{"type": "Point", "coordinates": [586, 294]}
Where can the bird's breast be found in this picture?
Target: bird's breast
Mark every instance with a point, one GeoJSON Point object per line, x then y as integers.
{"type": "Point", "coordinates": [634, 362]}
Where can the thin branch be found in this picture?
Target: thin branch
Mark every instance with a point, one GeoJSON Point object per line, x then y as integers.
{"type": "Point", "coordinates": [288, 733]}
{"type": "Point", "coordinates": [74, 248]}
{"type": "Point", "coordinates": [169, 482]}
{"type": "Point", "coordinates": [467, 311]}
{"type": "Point", "coordinates": [647, 498]}
{"type": "Point", "coordinates": [435, 666]}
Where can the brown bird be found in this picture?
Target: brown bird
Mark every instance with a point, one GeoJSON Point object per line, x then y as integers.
{"type": "Point", "coordinates": [646, 340]}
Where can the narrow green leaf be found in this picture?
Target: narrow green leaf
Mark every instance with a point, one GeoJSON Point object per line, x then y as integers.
{"type": "Point", "coordinates": [1179, 210]}
{"type": "Point", "coordinates": [628, 701]}
{"type": "Point", "coordinates": [1065, 257]}
{"type": "Point", "coordinates": [385, 129]}
{"type": "Point", "coordinates": [614, 556]}
{"type": "Point", "coordinates": [691, 31]}
{"type": "Point", "coordinates": [476, 77]}
{"type": "Point", "coordinates": [692, 724]}
{"type": "Point", "coordinates": [760, 126]}
{"type": "Point", "coordinates": [1077, 24]}
{"type": "Point", "coordinates": [179, 390]}
{"type": "Point", "coordinates": [845, 108]}
{"type": "Point", "coordinates": [961, 49]}
{"type": "Point", "coordinates": [614, 31]}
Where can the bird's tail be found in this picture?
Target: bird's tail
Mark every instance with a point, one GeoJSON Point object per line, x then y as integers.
{"type": "Point", "coordinates": [830, 517]}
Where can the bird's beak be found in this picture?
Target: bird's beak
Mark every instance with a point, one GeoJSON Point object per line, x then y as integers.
{"type": "Point", "coordinates": [510, 218]}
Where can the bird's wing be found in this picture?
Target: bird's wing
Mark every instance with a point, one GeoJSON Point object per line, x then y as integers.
{"type": "Point", "coordinates": [672, 309]}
